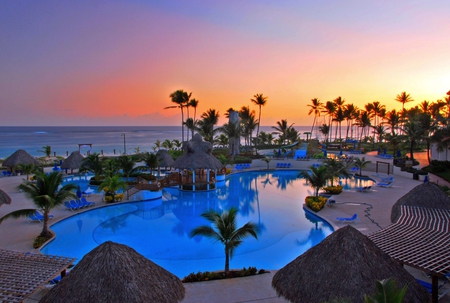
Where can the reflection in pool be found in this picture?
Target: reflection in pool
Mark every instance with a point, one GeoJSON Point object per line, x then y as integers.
{"type": "Point", "coordinates": [159, 229]}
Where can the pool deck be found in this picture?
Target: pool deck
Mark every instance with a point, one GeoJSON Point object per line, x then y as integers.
{"type": "Point", "coordinates": [373, 209]}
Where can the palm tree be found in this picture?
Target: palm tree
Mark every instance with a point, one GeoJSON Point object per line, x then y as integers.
{"type": "Point", "coordinates": [47, 150]}
{"type": "Point", "coordinates": [151, 161]}
{"type": "Point", "coordinates": [282, 129]}
{"type": "Point", "coordinates": [349, 114]}
{"type": "Point", "coordinates": [126, 163]}
{"type": "Point", "coordinates": [248, 123]}
{"type": "Point", "coordinates": [46, 194]}
{"type": "Point", "coordinates": [206, 124]}
{"type": "Point", "coordinates": [325, 130]}
{"type": "Point", "coordinates": [110, 167]}
{"type": "Point", "coordinates": [27, 169]}
{"type": "Point", "coordinates": [393, 120]}
{"type": "Point", "coordinates": [93, 163]}
{"type": "Point", "coordinates": [233, 132]}
{"type": "Point", "coordinates": [225, 230]}
{"type": "Point", "coordinates": [387, 291]}
{"type": "Point", "coordinates": [167, 144]}
{"type": "Point", "coordinates": [111, 185]}
{"type": "Point", "coordinates": [403, 98]}
{"type": "Point", "coordinates": [157, 145]}
{"type": "Point", "coordinates": [339, 117]}
{"type": "Point", "coordinates": [336, 169]}
{"type": "Point", "coordinates": [181, 99]}
{"type": "Point", "coordinates": [316, 108]}
{"type": "Point", "coordinates": [259, 100]}
{"type": "Point", "coordinates": [329, 110]}
{"type": "Point", "coordinates": [379, 111]}
{"type": "Point", "coordinates": [361, 163]}
{"type": "Point", "coordinates": [317, 177]}
{"type": "Point", "coordinates": [413, 132]}
{"type": "Point", "coordinates": [191, 125]}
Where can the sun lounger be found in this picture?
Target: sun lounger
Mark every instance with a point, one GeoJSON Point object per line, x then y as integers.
{"type": "Point", "coordinates": [364, 189]}
{"type": "Point", "coordinates": [347, 220]}
{"type": "Point", "coordinates": [87, 203]}
{"type": "Point", "coordinates": [385, 184]}
{"type": "Point", "coordinates": [37, 217]}
{"type": "Point", "coordinates": [441, 290]}
{"type": "Point", "coordinates": [69, 206]}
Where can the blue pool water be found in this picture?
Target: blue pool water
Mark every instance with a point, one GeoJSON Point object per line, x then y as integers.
{"type": "Point", "coordinates": [159, 229]}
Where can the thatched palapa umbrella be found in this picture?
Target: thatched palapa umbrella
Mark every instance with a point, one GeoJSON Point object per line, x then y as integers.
{"type": "Point", "coordinates": [19, 157]}
{"type": "Point", "coordinates": [164, 159]}
{"type": "Point", "coordinates": [345, 265]}
{"type": "Point", "coordinates": [427, 195]}
{"type": "Point", "coordinates": [116, 273]}
{"type": "Point", "coordinates": [73, 161]}
{"type": "Point", "coordinates": [4, 198]}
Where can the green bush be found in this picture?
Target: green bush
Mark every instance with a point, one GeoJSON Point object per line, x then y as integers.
{"type": "Point", "coordinates": [241, 160]}
{"type": "Point", "coordinates": [316, 203]}
{"type": "Point", "coordinates": [39, 241]}
{"type": "Point", "coordinates": [208, 276]}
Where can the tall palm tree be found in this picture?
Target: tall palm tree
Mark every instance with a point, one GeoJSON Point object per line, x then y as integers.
{"type": "Point", "coordinates": [233, 132]}
{"type": "Point", "coordinates": [316, 108]}
{"type": "Point", "coordinates": [94, 164]}
{"type": "Point", "coordinates": [167, 144]}
{"type": "Point", "coordinates": [325, 130]}
{"type": "Point", "coordinates": [329, 110]}
{"type": "Point", "coordinates": [336, 169]}
{"type": "Point", "coordinates": [259, 100]}
{"type": "Point", "coordinates": [412, 130]}
{"type": "Point", "coordinates": [349, 114]}
{"type": "Point", "coordinates": [151, 161]}
{"type": "Point", "coordinates": [206, 125]}
{"type": "Point", "coordinates": [191, 125]}
{"type": "Point", "coordinates": [28, 169]}
{"type": "Point", "coordinates": [403, 98]}
{"type": "Point", "coordinates": [157, 145]}
{"type": "Point", "coordinates": [248, 123]}
{"type": "Point", "coordinates": [110, 167]}
{"type": "Point", "coordinates": [392, 119]}
{"type": "Point", "coordinates": [339, 117]}
{"type": "Point", "coordinates": [225, 230]}
{"type": "Point", "coordinates": [46, 194]}
{"type": "Point", "coordinates": [181, 99]}
{"type": "Point", "coordinates": [316, 177]}
{"type": "Point", "coordinates": [379, 111]}
{"type": "Point", "coordinates": [282, 129]}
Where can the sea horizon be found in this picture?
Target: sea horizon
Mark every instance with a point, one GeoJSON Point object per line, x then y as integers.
{"type": "Point", "coordinates": [107, 139]}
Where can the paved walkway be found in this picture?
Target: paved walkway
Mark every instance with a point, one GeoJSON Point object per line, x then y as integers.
{"type": "Point", "coordinates": [373, 209]}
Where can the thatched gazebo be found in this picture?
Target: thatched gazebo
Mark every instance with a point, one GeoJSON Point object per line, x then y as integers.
{"type": "Point", "coordinates": [73, 161]}
{"type": "Point", "coordinates": [198, 156]}
{"type": "Point", "coordinates": [19, 157]}
{"type": "Point", "coordinates": [116, 273]}
{"type": "Point", "coordinates": [164, 159]}
{"type": "Point", "coordinates": [345, 265]}
{"type": "Point", "coordinates": [426, 195]}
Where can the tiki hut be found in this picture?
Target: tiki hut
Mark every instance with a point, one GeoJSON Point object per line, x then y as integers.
{"type": "Point", "coordinates": [73, 161]}
{"type": "Point", "coordinates": [345, 265]}
{"type": "Point", "coordinates": [197, 156]}
{"type": "Point", "coordinates": [164, 159]}
{"type": "Point", "coordinates": [4, 198]}
{"type": "Point", "coordinates": [19, 157]}
{"type": "Point", "coordinates": [196, 159]}
{"type": "Point", "coordinates": [116, 273]}
{"type": "Point", "coordinates": [426, 195]}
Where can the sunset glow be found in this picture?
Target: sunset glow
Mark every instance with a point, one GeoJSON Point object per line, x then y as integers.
{"type": "Point", "coordinates": [117, 62]}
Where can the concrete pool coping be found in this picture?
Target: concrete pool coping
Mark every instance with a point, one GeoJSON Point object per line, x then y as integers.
{"type": "Point", "coordinates": [373, 209]}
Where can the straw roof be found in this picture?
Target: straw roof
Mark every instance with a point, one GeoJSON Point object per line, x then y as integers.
{"type": "Point", "coordinates": [345, 265]}
{"type": "Point", "coordinates": [427, 195]}
{"type": "Point", "coordinates": [164, 159]}
{"type": "Point", "coordinates": [19, 157]}
{"type": "Point", "coordinates": [73, 161]}
{"type": "Point", "coordinates": [4, 198]}
{"type": "Point", "coordinates": [197, 156]}
{"type": "Point", "coordinates": [21, 274]}
{"type": "Point", "coordinates": [116, 273]}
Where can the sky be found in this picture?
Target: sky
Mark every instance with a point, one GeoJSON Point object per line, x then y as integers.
{"type": "Point", "coordinates": [112, 62]}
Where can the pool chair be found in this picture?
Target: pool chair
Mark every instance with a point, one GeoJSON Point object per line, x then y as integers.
{"type": "Point", "coordinates": [69, 206]}
{"type": "Point", "coordinates": [348, 220]}
{"type": "Point", "coordinates": [387, 179]}
{"type": "Point", "coordinates": [441, 290]}
{"type": "Point", "coordinates": [37, 217]}
{"type": "Point", "coordinates": [86, 202]}
{"type": "Point", "coordinates": [364, 189]}
{"type": "Point", "coordinates": [385, 184]}
{"type": "Point", "coordinates": [331, 202]}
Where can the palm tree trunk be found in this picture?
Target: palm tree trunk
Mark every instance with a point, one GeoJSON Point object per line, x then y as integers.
{"type": "Point", "coordinates": [45, 232]}
{"type": "Point", "coordinates": [227, 262]}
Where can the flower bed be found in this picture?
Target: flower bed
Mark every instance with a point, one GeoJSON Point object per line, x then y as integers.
{"type": "Point", "coordinates": [316, 203]}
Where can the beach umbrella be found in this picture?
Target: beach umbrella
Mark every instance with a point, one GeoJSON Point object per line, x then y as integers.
{"type": "Point", "coordinates": [426, 195]}
{"type": "Point", "coordinates": [340, 151]}
{"type": "Point", "coordinates": [73, 161]}
{"type": "Point", "coordinates": [325, 153]}
{"type": "Point", "coordinates": [19, 157]}
{"type": "Point", "coordinates": [345, 265]}
{"type": "Point", "coordinates": [379, 150]}
{"type": "Point", "coordinates": [4, 198]}
{"type": "Point", "coordinates": [399, 154]}
{"type": "Point", "coordinates": [114, 272]}
{"type": "Point", "coordinates": [79, 193]}
{"type": "Point", "coordinates": [425, 180]}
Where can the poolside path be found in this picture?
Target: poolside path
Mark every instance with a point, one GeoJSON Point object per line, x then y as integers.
{"type": "Point", "coordinates": [373, 209]}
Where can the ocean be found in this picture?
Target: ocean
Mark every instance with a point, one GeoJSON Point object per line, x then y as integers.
{"type": "Point", "coordinates": [109, 139]}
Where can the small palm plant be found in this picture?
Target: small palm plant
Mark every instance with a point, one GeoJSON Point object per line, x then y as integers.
{"type": "Point", "coordinates": [126, 163]}
{"type": "Point", "coordinates": [28, 169]}
{"type": "Point", "coordinates": [225, 230]}
{"type": "Point", "coordinates": [45, 195]}
{"type": "Point", "coordinates": [111, 185]}
{"type": "Point", "coordinates": [93, 163]}
{"type": "Point", "coordinates": [361, 163]}
{"type": "Point", "coordinates": [267, 160]}
{"type": "Point", "coordinates": [47, 150]}
{"type": "Point", "coordinates": [151, 161]}
{"type": "Point", "coordinates": [317, 177]}
{"type": "Point", "coordinates": [336, 169]}
{"type": "Point", "coordinates": [387, 291]}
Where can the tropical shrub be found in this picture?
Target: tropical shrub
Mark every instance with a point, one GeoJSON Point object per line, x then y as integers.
{"type": "Point", "coordinates": [316, 203]}
{"type": "Point", "coordinates": [217, 275]}
{"type": "Point", "coordinates": [333, 190]}
{"type": "Point", "coordinates": [39, 241]}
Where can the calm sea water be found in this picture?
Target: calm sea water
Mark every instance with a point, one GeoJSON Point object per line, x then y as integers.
{"type": "Point", "coordinates": [65, 139]}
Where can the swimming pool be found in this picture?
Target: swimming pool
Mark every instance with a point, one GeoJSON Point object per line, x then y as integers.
{"type": "Point", "coordinates": [159, 229]}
